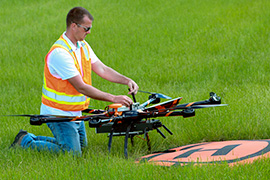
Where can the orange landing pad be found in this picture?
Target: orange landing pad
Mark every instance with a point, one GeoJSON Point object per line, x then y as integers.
{"type": "Point", "coordinates": [231, 152]}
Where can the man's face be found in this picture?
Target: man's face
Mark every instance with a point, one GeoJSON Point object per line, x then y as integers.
{"type": "Point", "coordinates": [83, 29]}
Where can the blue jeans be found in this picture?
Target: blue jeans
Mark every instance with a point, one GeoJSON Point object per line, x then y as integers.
{"type": "Point", "coordinates": [68, 136]}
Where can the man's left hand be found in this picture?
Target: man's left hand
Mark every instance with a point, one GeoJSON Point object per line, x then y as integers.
{"type": "Point", "coordinates": [133, 87]}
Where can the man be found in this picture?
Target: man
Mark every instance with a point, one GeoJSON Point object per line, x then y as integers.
{"type": "Point", "coordinates": [67, 86]}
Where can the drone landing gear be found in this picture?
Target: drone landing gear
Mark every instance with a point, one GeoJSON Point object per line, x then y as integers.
{"type": "Point", "coordinates": [148, 141]}
{"type": "Point", "coordinates": [131, 129]}
{"type": "Point", "coordinates": [127, 135]}
{"type": "Point", "coordinates": [110, 140]}
{"type": "Point", "coordinates": [126, 140]}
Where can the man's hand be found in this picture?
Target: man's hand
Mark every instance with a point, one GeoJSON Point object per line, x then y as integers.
{"type": "Point", "coordinates": [133, 87]}
{"type": "Point", "coordinates": [124, 100]}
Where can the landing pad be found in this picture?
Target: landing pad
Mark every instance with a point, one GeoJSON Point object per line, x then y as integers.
{"type": "Point", "coordinates": [231, 152]}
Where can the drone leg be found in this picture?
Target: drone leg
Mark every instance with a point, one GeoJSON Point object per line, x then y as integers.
{"type": "Point", "coordinates": [167, 129]}
{"type": "Point", "coordinates": [148, 141]}
{"type": "Point", "coordinates": [161, 133]}
{"type": "Point", "coordinates": [146, 136]}
{"type": "Point", "coordinates": [132, 140]}
{"type": "Point", "coordinates": [126, 140]}
{"type": "Point", "coordinates": [110, 140]}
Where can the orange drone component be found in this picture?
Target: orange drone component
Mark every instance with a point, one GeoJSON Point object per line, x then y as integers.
{"type": "Point", "coordinates": [115, 107]}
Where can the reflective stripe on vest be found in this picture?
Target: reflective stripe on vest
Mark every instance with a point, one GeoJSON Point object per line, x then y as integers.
{"type": "Point", "coordinates": [64, 98]}
{"type": "Point", "coordinates": [67, 97]}
{"type": "Point", "coordinates": [64, 44]}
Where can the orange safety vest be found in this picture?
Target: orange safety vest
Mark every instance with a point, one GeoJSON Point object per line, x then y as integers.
{"type": "Point", "coordinates": [60, 94]}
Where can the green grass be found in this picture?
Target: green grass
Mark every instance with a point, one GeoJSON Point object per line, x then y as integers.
{"type": "Point", "coordinates": [179, 48]}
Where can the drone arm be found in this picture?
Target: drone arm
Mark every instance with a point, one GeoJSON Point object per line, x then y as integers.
{"type": "Point", "coordinates": [143, 105]}
{"type": "Point", "coordinates": [39, 120]}
{"type": "Point", "coordinates": [185, 113]}
{"type": "Point", "coordinates": [213, 100]}
{"type": "Point", "coordinates": [93, 111]}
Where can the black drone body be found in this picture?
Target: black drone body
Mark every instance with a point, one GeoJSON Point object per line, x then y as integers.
{"type": "Point", "coordinates": [138, 119]}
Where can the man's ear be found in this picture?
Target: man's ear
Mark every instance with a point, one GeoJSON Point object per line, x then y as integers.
{"type": "Point", "coordinates": [72, 26]}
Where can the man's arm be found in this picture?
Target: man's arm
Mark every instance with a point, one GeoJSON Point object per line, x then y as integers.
{"type": "Point", "coordinates": [111, 75]}
{"type": "Point", "coordinates": [95, 93]}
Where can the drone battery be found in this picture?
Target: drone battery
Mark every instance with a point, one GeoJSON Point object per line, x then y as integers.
{"type": "Point", "coordinates": [136, 128]}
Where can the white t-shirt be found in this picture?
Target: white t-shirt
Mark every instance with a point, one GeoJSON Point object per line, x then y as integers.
{"type": "Point", "coordinates": [61, 65]}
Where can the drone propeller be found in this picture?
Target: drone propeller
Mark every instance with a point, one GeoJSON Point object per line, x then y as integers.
{"type": "Point", "coordinates": [207, 106]}
{"type": "Point", "coordinates": [41, 116]}
{"type": "Point", "coordinates": [158, 95]}
{"type": "Point", "coordinates": [165, 105]}
{"type": "Point", "coordinates": [181, 106]}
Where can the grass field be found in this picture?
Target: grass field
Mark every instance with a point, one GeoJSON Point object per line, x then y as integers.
{"type": "Point", "coordinates": [181, 48]}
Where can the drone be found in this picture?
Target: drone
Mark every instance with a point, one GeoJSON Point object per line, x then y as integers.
{"type": "Point", "coordinates": [138, 119]}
